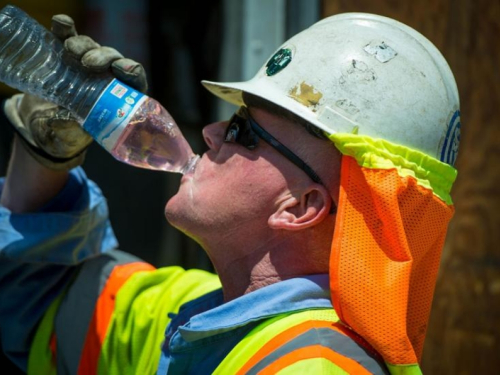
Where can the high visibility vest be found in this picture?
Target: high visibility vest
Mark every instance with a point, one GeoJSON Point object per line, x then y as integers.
{"type": "Point", "coordinates": [120, 338]}
{"type": "Point", "coordinates": [306, 342]}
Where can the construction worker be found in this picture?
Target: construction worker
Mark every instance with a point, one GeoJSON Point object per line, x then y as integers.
{"type": "Point", "coordinates": [323, 204]}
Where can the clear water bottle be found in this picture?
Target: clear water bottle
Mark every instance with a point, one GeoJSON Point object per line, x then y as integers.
{"type": "Point", "coordinates": [133, 127]}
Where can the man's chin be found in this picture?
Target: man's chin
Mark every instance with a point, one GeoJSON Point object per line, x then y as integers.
{"type": "Point", "coordinates": [180, 221]}
{"type": "Point", "coordinates": [170, 212]}
{"type": "Point", "coordinates": [175, 213]}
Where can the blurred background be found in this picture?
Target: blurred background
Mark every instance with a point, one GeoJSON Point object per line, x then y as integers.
{"type": "Point", "coordinates": [182, 42]}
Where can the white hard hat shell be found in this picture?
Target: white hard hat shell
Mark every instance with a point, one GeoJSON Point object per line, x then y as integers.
{"type": "Point", "coordinates": [366, 74]}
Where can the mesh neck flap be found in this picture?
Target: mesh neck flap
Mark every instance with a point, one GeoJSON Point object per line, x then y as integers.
{"type": "Point", "coordinates": [391, 224]}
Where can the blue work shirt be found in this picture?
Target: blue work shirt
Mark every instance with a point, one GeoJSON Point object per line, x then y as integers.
{"type": "Point", "coordinates": [205, 330]}
{"type": "Point", "coordinates": [72, 227]}
{"type": "Point", "coordinates": [40, 252]}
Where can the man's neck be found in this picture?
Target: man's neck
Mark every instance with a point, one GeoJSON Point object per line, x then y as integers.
{"type": "Point", "coordinates": [237, 280]}
{"type": "Point", "coordinates": [246, 262]}
{"type": "Point", "coordinates": [249, 273]}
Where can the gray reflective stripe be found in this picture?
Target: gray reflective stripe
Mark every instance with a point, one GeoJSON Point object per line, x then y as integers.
{"type": "Point", "coordinates": [76, 311]}
{"type": "Point", "coordinates": [328, 338]}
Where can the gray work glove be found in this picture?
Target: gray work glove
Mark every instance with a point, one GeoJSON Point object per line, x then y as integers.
{"type": "Point", "coordinates": [49, 132]}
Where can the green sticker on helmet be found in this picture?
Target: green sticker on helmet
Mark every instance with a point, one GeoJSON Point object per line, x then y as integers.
{"type": "Point", "coordinates": [279, 61]}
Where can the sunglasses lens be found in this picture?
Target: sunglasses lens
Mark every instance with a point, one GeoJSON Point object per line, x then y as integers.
{"type": "Point", "coordinates": [232, 132]}
{"type": "Point", "coordinates": [239, 131]}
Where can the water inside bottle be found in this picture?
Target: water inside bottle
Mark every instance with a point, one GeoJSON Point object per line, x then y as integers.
{"type": "Point", "coordinates": [153, 140]}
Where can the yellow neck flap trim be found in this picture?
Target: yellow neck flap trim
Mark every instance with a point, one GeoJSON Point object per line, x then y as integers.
{"type": "Point", "coordinates": [380, 154]}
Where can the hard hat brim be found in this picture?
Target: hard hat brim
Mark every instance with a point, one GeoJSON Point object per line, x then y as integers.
{"type": "Point", "coordinates": [232, 92]}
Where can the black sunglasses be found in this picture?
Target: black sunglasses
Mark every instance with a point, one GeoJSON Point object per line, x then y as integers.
{"type": "Point", "coordinates": [244, 130]}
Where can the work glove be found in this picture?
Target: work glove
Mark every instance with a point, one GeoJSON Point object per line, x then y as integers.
{"type": "Point", "coordinates": [49, 132]}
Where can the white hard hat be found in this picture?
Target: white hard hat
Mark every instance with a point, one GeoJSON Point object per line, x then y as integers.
{"type": "Point", "coordinates": [365, 74]}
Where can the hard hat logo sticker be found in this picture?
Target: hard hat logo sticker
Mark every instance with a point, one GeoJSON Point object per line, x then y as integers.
{"type": "Point", "coordinates": [306, 95]}
{"type": "Point", "coordinates": [381, 51]}
{"type": "Point", "coordinates": [279, 61]}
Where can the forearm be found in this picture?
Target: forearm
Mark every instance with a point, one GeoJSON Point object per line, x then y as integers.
{"type": "Point", "coordinates": [28, 184]}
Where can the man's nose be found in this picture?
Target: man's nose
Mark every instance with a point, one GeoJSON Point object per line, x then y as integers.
{"type": "Point", "coordinates": [213, 134]}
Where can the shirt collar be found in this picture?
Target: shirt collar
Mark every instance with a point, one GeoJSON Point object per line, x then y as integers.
{"type": "Point", "coordinates": [287, 296]}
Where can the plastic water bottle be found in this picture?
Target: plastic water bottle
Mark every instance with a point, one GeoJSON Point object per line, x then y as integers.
{"type": "Point", "coordinates": [133, 127]}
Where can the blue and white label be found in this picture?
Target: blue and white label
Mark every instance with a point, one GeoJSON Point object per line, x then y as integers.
{"type": "Point", "coordinates": [451, 143]}
{"type": "Point", "coordinates": [112, 112]}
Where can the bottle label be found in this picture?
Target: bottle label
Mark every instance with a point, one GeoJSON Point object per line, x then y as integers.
{"type": "Point", "coordinates": [112, 112]}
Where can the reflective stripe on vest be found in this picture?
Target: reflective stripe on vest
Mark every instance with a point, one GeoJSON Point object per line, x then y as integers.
{"type": "Point", "coordinates": [283, 341]}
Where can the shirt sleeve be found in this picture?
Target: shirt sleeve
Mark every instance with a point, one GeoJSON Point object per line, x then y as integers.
{"type": "Point", "coordinates": [40, 254]}
{"type": "Point", "coordinates": [73, 227]}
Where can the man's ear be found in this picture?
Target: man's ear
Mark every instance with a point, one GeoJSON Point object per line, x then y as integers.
{"type": "Point", "coordinates": [310, 209]}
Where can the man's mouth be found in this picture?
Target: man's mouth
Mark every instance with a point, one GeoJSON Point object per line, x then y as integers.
{"type": "Point", "coordinates": [191, 165]}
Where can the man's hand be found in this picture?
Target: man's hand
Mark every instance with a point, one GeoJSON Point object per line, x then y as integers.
{"type": "Point", "coordinates": [50, 133]}
{"type": "Point", "coordinates": [50, 141]}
